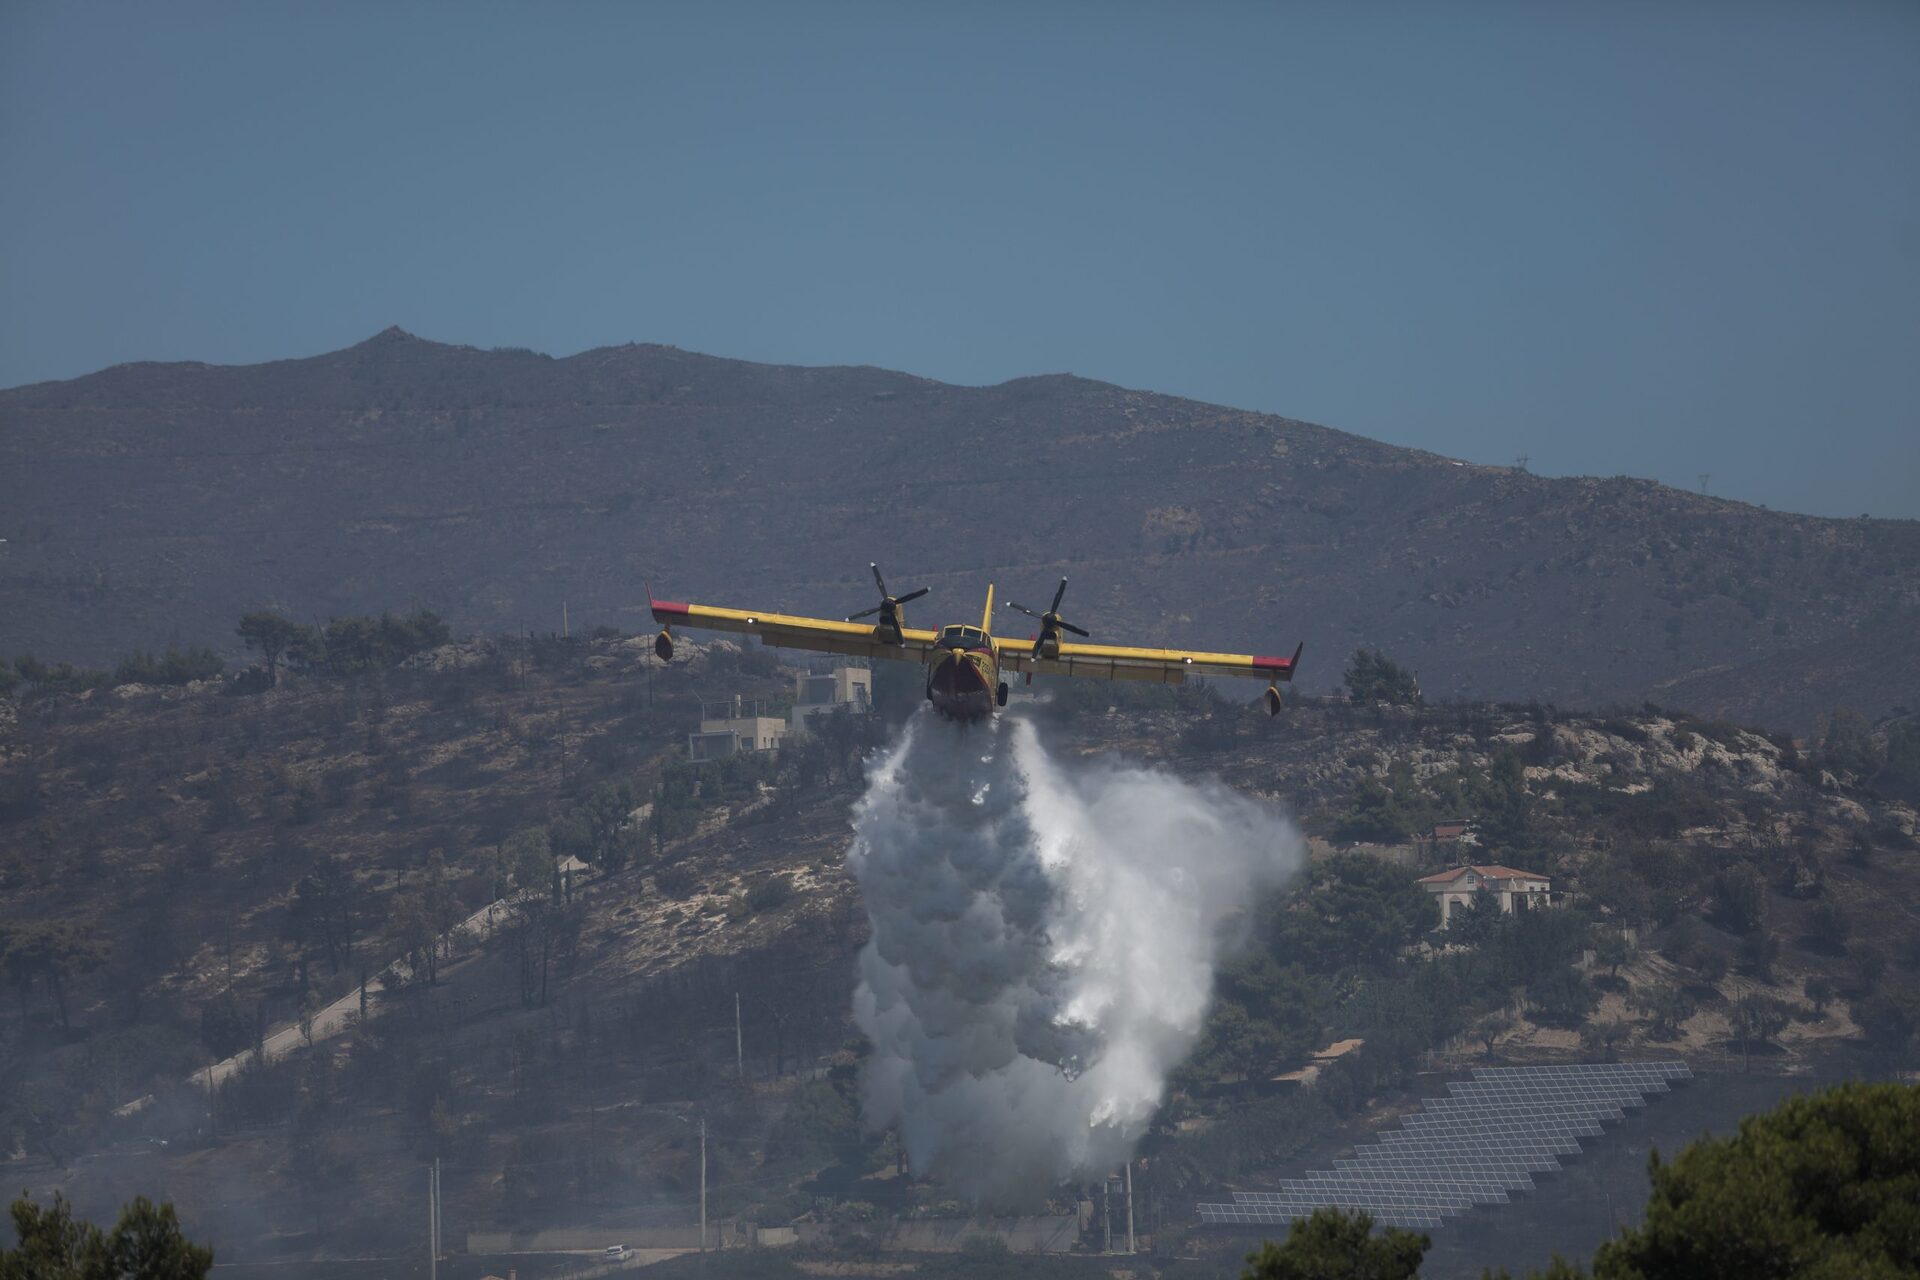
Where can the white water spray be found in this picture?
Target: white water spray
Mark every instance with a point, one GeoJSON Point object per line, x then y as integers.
{"type": "Point", "coordinates": [1044, 942]}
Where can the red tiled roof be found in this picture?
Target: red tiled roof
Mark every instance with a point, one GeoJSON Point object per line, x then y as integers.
{"type": "Point", "coordinates": [1493, 872]}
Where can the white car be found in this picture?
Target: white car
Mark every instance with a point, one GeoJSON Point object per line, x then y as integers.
{"type": "Point", "coordinates": [617, 1253]}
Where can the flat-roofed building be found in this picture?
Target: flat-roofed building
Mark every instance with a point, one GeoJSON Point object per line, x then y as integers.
{"type": "Point", "coordinates": [729, 728]}
{"type": "Point", "coordinates": [818, 692]}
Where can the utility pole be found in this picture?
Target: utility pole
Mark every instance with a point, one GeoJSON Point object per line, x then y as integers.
{"type": "Point", "coordinates": [433, 1221]}
{"type": "Point", "coordinates": [1520, 463]}
{"type": "Point", "coordinates": [703, 1184]}
{"type": "Point", "coordinates": [1106, 1213]}
{"type": "Point", "coordinates": [1704, 477]}
{"type": "Point", "coordinates": [1129, 1204]}
{"type": "Point", "coordinates": [739, 1051]}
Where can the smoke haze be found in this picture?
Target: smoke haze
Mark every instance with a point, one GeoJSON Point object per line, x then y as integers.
{"type": "Point", "coordinates": [1045, 935]}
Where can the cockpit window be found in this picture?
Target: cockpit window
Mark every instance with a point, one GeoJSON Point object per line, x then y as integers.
{"type": "Point", "coordinates": [962, 638]}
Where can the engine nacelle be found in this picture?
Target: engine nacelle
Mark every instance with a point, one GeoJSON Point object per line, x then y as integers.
{"type": "Point", "coordinates": [1272, 699]}
{"type": "Point", "coordinates": [663, 645]}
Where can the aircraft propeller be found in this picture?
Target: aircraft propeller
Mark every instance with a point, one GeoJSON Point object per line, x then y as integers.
{"type": "Point", "coordinates": [1051, 619]}
{"type": "Point", "coordinates": [889, 606]}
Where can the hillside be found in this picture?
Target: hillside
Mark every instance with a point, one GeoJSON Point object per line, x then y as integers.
{"type": "Point", "coordinates": [147, 502]}
{"type": "Point", "coordinates": [196, 867]}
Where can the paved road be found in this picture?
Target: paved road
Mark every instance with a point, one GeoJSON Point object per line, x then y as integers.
{"type": "Point", "coordinates": [335, 1018]}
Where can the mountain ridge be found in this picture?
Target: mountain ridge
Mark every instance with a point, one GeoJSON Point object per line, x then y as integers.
{"type": "Point", "coordinates": [153, 502]}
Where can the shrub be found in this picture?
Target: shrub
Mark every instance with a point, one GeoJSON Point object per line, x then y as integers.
{"type": "Point", "coordinates": [175, 666]}
{"type": "Point", "coordinates": [1740, 899]}
{"type": "Point", "coordinates": [1666, 1008]}
{"type": "Point", "coordinates": [1888, 1023]}
{"type": "Point", "coordinates": [769, 893]}
{"type": "Point", "coordinates": [58, 678]}
{"type": "Point", "coordinates": [1562, 998]}
{"type": "Point", "coordinates": [1828, 925]}
{"type": "Point", "coordinates": [677, 880]}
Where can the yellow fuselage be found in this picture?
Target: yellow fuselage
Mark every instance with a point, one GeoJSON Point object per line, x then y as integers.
{"type": "Point", "coordinates": [963, 672]}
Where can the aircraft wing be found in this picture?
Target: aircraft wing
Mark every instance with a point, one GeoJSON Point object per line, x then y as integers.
{"type": "Point", "coordinates": [789, 631]}
{"type": "Point", "coordinates": [1159, 666]}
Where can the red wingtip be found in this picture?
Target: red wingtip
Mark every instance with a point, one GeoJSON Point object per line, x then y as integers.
{"type": "Point", "coordinates": [1281, 668]}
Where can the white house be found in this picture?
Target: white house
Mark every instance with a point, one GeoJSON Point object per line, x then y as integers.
{"type": "Point", "coordinates": [1514, 890]}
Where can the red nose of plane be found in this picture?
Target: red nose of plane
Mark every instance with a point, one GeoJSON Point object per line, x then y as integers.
{"type": "Point", "coordinates": [957, 688]}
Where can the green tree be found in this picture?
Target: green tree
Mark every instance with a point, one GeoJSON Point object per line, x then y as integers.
{"type": "Point", "coordinates": [1476, 920]}
{"type": "Point", "coordinates": [1666, 1006]}
{"type": "Point", "coordinates": [270, 634]}
{"type": "Point", "coordinates": [1844, 744]}
{"type": "Point", "coordinates": [1823, 1186]}
{"type": "Point", "coordinates": [606, 813]}
{"type": "Point", "coordinates": [353, 644]}
{"type": "Point", "coordinates": [1757, 1019]}
{"type": "Point", "coordinates": [1371, 676]}
{"type": "Point", "coordinates": [1889, 1024]}
{"type": "Point", "coordinates": [1829, 925]}
{"type": "Point", "coordinates": [1899, 776]}
{"type": "Point", "coordinates": [61, 677]}
{"type": "Point", "coordinates": [145, 1244]}
{"type": "Point", "coordinates": [1562, 997]}
{"type": "Point", "coordinates": [50, 953]}
{"type": "Point", "coordinates": [1332, 1244]}
{"type": "Point", "coordinates": [529, 855]}
{"type": "Point", "coordinates": [322, 913]}
{"type": "Point", "coordinates": [360, 643]}
{"type": "Point", "coordinates": [1740, 899]}
{"type": "Point", "coordinates": [175, 666]}
{"type": "Point", "coordinates": [1373, 815]}
{"type": "Point", "coordinates": [1601, 1036]}
{"type": "Point", "coordinates": [9, 678]}
{"type": "Point", "coordinates": [1758, 952]}
{"type": "Point", "coordinates": [1491, 1028]}
{"type": "Point", "coordinates": [1558, 1269]}
{"type": "Point", "coordinates": [225, 1026]}
{"type": "Point", "coordinates": [1355, 911]}
{"type": "Point", "coordinates": [1503, 807]}
{"type": "Point", "coordinates": [819, 1126]}
{"type": "Point", "coordinates": [1612, 949]}
{"type": "Point", "coordinates": [402, 637]}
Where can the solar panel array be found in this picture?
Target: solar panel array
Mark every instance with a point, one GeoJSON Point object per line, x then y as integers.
{"type": "Point", "coordinates": [1488, 1138]}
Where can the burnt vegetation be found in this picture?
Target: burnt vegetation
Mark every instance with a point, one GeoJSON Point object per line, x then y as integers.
{"type": "Point", "coordinates": [496, 917]}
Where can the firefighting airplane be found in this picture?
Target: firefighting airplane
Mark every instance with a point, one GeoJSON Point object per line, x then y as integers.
{"type": "Point", "coordinates": [964, 663]}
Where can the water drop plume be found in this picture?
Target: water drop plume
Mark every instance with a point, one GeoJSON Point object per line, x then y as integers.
{"type": "Point", "coordinates": [1045, 934]}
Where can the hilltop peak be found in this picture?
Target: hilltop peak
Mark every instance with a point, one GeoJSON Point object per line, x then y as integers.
{"type": "Point", "coordinates": [490, 485]}
{"type": "Point", "coordinates": [394, 338]}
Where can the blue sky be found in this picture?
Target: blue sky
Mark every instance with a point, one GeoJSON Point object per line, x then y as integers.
{"type": "Point", "coordinates": [1619, 238]}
